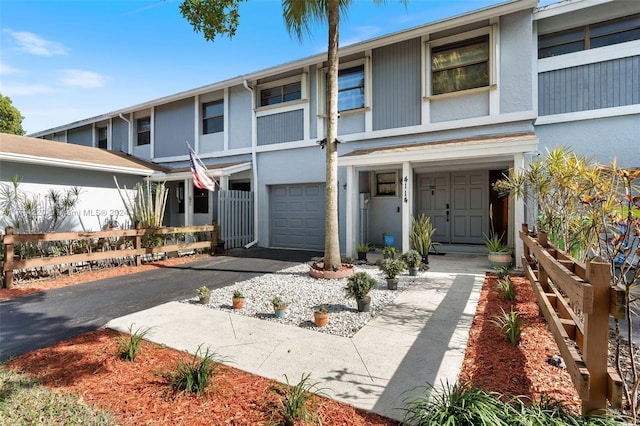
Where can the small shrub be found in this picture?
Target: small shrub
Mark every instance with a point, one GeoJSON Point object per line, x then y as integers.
{"type": "Point", "coordinates": [455, 405]}
{"type": "Point", "coordinates": [507, 288]}
{"type": "Point", "coordinates": [359, 285]}
{"type": "Point", "coordinates": [128, 347]}
{"type": "Point", "coordinates": [293, 401]}
{"type": "Point", "coordinates": [411, 258]}
{"type": "Point", "coordinates": [237, 294]}
{"type": "Point", "coordinates": [501, 271]}
{"type": "Point", "coordinates": [511, 324]}
{"type": "Point", "coordinates": [194, 374]}
{"type": "Point", "coordinates": [278, 303]}
{"type": "Point", "coordinates": [392, 267]}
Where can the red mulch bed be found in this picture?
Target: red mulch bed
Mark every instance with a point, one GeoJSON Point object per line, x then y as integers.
{"type": "Point", "coordinates": [136, 393]}
{"type": "Point", "coordinates": [493, 364]}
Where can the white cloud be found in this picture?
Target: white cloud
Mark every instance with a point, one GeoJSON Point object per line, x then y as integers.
{"type": "Point", "coordinates": [6, 69]}
{"type": "Point", "coordinates": [36, 45]}
{"type": "Point", "coordinates": [26, 89]}
{"type": "Point", "coordinates": [80, 78]}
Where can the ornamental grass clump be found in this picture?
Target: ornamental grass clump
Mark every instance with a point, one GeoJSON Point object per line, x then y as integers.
{"type": "Point", "coordinates": [507, 288]}
{"type": "Point", "coordinates": [129, 347]}
{"type": "Point", "coordinates": [511, 324]}
{"type": "Point", "coordinates": [293, 401]}
{"type": "Point", "coordinates": [194, 374]}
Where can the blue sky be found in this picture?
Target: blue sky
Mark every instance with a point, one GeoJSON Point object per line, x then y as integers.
{"type": "Point", "coordinates": [66, 60]}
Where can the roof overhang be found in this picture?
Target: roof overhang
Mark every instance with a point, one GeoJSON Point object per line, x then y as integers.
{"type": "Point", "coordinates": [70, 164]}
{"type": "Point", "coordinates": [458, 149]}
{"type": "Point", "coordinates": [214, 171]}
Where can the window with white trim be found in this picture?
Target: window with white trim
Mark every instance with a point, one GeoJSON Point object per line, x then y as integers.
{"type": "Point", "coordinates": [461, 65]}
{"type": "Point", "coordinates": [590, 36]}
{"type": "Point", "coordinates": [280, 94]}
{"type": "Point", "coordinates": [351, 88]}
{"type": "Point", "coordinates": [101, 137]}
{"type": "Point", "coordinates": [213, 117]}
{"type": "Point", "coordinates": [143, 126]}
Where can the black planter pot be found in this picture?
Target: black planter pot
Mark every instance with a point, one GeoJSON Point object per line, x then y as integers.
{"type": "Point", "coordinates": [364, 304]}
{"type": "Point", "coordinates": [425, 259]}
{"type": "Point", "coordinates": [362, 255]}
{"type": "Point", "coordinates": [392, 283]}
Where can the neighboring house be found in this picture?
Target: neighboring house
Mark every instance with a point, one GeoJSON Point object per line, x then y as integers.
{"type": "Point", "coordinates": [429, 118]}
{"type": "Point", "coordinates": [41, 166]}
{"type": "Point", "coordinates": [588, 81]}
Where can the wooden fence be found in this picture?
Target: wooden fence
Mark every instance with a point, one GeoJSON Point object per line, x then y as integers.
{"type": "Point", "coordinates": [104, 245]}
{"type": "Point", "coordinates": [576, 300]}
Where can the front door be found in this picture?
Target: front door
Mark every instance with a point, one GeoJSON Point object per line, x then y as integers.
{"type": "Point", "coordinates": [457, 203]}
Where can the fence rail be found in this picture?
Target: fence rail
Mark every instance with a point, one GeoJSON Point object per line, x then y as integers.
{"type": "Point", "coordinates": [576, 299]}
{"type": "Point", "coordinates": [103, 247]}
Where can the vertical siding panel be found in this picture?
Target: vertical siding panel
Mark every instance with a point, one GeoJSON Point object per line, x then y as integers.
{"type": "Point", "coordinates": [281, 127]}
{"type": "Point", "coordinates": [635, 79]}
{"type": "Point", "coordinates": [396, 86]}
{"type": "Point", "coordinates": [173, 124]}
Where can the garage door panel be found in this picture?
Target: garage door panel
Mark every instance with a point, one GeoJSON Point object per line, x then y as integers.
{"type": "Point", "coordinates": [297, 216]}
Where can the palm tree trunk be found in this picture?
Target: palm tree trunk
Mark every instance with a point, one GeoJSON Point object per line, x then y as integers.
{"type": "Point", "coordinates": [332, 238]}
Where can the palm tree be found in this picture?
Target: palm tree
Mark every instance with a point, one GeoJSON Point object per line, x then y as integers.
{"type": "Point", "coordinates": [214, 17]}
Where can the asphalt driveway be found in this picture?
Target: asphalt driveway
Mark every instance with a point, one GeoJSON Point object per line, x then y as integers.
{"type": "Point", "coordinates": [43, 319]}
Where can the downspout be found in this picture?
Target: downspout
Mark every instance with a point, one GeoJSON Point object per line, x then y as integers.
{"type": "Point", "coordinates": [254, 164]}
{"type": "Point", "coordinates": [129, 144]}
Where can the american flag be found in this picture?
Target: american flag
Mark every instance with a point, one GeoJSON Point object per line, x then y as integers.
{"type": "Point", "coordinates": [198, 170]}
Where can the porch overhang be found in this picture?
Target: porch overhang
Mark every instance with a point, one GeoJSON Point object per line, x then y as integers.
{"type": "Point", "coordinates": [468, 148]}
{"type": "Point", "coordinates": [217, 170]}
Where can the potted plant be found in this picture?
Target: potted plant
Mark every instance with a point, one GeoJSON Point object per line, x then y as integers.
{"type": "Point", "coordinates": [358, 287]}
{"type": "Point", "coordinates": [237, 299]}
{"type": "Point", "coordinates": [412, 259]}
{"type": "Point", "coordinates": [321, 316]}
{"type": "Point", "coordinates": [389, 252]}
{"type": "Point", "coordinates": [499, 254]}
{"type": "Point", "coordinates": [204, 294]}
{"type": "Point", "coordinates": [362, 249]}
{"type": "Point", "coordinates": [279, 306]}
{"type": "Point", "coordinates": [391, 268]}
{"type": "Point", "coordinates": [422, 231]}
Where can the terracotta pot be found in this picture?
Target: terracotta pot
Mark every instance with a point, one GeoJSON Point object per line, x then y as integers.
{"type": "Point", "coordinates": [238, 302]}
{"type": "Point", "coordinates": [320, 319]}
{"type": "Point", "coordinates": [498, 260]}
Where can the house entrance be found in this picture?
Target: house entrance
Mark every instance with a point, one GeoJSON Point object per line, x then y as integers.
{"type": "Point", "coordinates": [458, 204]}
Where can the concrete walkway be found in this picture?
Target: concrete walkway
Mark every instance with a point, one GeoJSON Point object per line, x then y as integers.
{"type": "Point", "coordinates": [419, 339]}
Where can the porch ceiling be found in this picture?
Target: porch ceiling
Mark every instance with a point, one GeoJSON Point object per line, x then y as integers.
{"type": "Point", "coordinates": [455, 149]}
{"type": "Point", "coordinates": [216, 170]}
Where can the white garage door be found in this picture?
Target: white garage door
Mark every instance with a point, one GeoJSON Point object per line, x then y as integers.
{"type": "Point", "coordinates": [296, 215]}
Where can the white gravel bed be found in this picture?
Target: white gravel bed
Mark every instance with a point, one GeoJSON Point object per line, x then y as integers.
{"type": "Point", "coordinates": [304, 293]}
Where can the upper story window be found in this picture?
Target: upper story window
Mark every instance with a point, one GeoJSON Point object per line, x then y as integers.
{"type": "Point", "coordinates": [460, 66]}
{"type": "Point", "coordinates": [280, 94]}
{"type": "Point", "coordinates": [351, 88]}
{"type": "Point", "coordinates": [213, 117]}
{"type": "Point", "coordinates": [101, 137]}
{"type": "Point", "coordinates": [589, 36]}
{"type": "Point", "coordinates": [143, 126]}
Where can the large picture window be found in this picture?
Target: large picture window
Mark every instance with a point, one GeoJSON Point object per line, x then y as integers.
{"type": "Point", "coordinates": [460, 66]}
{"type": "Point", "coordinates": [351, 88]}
{"type": "Point", "coordinates": [213, 117]}
{"type": "Point", "coordinates": [281, 94]}
{"type": "Point", "coordinates": [143, 126]}
{"type": "Point", "coordinates": [589, 36]}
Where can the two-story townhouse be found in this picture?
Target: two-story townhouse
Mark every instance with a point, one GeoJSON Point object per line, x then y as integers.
{"type": "Point", "coordinates": [429, 117]}
{"type": "Point", "coordinates": [588, 94]}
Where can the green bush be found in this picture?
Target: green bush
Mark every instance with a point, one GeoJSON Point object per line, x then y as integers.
{"type": "Point", "coordinates": [359, 285]}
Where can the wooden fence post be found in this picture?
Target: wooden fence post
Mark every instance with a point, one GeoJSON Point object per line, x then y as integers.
{"type": "Point", "coordinates": [596, 338]}
{"type": "Point", "coordinates": [138, 244]}
{"type": "Point", "coordinates": [8, 260]}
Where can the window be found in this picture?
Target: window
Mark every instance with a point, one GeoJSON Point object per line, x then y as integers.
{"type": "Point", "coordinates": [280, 94]}
{"type": "Point", "coordinates": [386, 184]}
{"type": "Point", "coordinates": [589, 36]}
{"type": "Point", "coordinates": [460, 66]}
{"type": "Point", "coordinates": [144, 130]}
{"type": "Point", "coordinates": [200, 200]}
{"type": "Point", "coordinates": [351, 88]}
{"type": "Point", "coordinates": [101, 136]}
{"type": "Point", "coordinates": [213, 117]}
{"type": "Point", "coordinates": [180, 197]}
